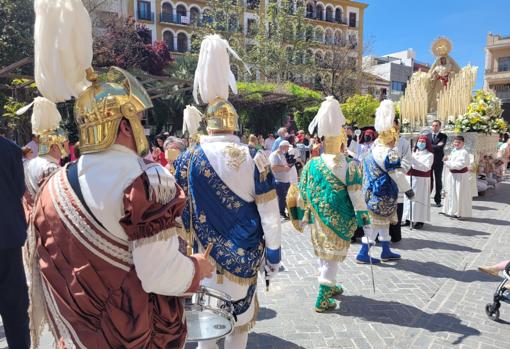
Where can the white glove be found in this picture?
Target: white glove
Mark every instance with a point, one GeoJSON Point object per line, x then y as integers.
{"type": "Point", "coordinates": [271, 270]}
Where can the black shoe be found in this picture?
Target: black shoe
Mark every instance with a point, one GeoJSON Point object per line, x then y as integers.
{"type": "Point", "coordinates": [395, 239]}
{"type": "Point", "coordinates": [406, 224]}
{"type": "Point", "coordinates": [418, 225]}
{"type": "Point", "coordinates": [354, 240]}
{"type": "Point", "coordinates": [438, 204]}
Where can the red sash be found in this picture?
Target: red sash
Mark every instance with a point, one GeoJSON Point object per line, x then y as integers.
{"type": "Point", "coordinates": [417, 173]}
{"type": "Point", "coordinates": [462, 170]}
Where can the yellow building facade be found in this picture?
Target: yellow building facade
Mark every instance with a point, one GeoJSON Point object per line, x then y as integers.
{"type": "Point", "coordinates": [335, 23]}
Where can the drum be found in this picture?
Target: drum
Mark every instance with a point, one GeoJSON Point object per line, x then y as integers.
{"type": "Point", "coordinates": [209, 315]}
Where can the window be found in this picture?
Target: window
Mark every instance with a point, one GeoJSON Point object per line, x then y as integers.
{"type": "Point", "coordinates": [504, 64]}
{"type": "Point", "coordinates": [352, 19]}
{"type": "Point", "coordinates": [252, 4]}
{"type": "Point", "coordinates": [252, 27]}
{"type": "Point", "coordinates": [329, 14]}
{"type": "Point", "coordinates": [166, 13]}
{"type": "Point", "coordinates": [168, 37]}
{"type": "Point", "coordinates": [338, 15]}
{"type": "Point", "coordinates": [182, 42]}
{"type": "Point", "coordinates": [353, 41]}
{"type": "Point", "coordinates": [398, 86]}
{"type": "Point", "coordinates": [144, 10]}
{"type": "Point", "coordinates": [309, 11]}
{"type": "Point", "coordinates": [319, 12]}
{"type": "Point", "coordinates": [329, 37]}
{"type": "Point", "coordinates": [194, 14]}
{"type": "Point", "coordinates": [338, 38]}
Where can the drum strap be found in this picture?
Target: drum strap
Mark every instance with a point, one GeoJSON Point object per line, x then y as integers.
{"type": "Point", "coordinates": [242, 305]}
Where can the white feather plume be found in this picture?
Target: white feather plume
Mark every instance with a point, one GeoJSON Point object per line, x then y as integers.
{"type": "Point", "coordinates": [213, 75]}
{"type": "Point", "coordinates": [45, 115]}
{"type": "Point", "coordinates": [62, 49]}
{"type": "Point", "coordinates": [329, 119]}
{"type": "Point", "coordinates": [384, 116]}
{"type": "Point", "coordinates": [191, 120]}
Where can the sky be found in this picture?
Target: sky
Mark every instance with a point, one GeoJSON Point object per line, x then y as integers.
{"type": "Point", "coordinates": [396, 25]}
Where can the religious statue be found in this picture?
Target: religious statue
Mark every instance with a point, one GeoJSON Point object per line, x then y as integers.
{"type": "Point", "coordinates": [441, 71]}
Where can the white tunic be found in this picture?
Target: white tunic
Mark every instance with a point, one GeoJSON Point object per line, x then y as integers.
{"type": "Point", "coordinates": [240, 181]}
{"type": "Point", "coordinates": [103, 177]}
{"type": "Point", "coordinates": [422, 161]}
{"type": "Point", "coordinates": [458, 199]}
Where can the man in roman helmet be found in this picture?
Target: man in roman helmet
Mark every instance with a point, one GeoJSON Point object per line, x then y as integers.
{"type": "Point", "coordinates": [107, 253]}
{"type": "Point", "coordinates": [232, 197]}
{"type": "Point", "coordinates": [52, 147]}
{"type": "Point", "coordinates": [383, 179]}
{"type": "Point", "coordinates": [330, 200]}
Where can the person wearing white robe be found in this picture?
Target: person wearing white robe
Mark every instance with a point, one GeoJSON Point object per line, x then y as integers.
{"type": "Point", "coordinates": [458, 200]}
{"type": "Point", "coordinates": [420, 171]}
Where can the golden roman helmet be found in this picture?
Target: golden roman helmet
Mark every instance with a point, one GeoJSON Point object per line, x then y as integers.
{"type": "Point", "coordinates": [99, 109]}
{"type": "Point", "coordinates": [333, 145]}
{"type": "Point", "coordinates": [388, 136]}
{"type": "Point", "coordinates": [221, 116]}
{"type": "Point", "coordinates": [53, 137]}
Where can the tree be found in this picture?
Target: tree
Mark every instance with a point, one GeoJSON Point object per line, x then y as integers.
{"type": "Point", "coordinates": [360, 110]}
{"type": "Point", "coordinates": [339, 74]}
{"type": "Point", "coordinates": [16, 31]}
{"type": "Point", "coordinates": [305, 117]}
{"type": "Point", "coordinates": [127, 45]}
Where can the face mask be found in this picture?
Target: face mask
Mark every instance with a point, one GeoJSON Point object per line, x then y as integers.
{"type": "Point", "coordinates": [367, 139]}
{"type": "Point", "coordinates": [421, 146]}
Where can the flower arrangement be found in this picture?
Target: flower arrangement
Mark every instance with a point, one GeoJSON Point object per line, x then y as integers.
{"type": "Point", "coordinates": [483, 115]}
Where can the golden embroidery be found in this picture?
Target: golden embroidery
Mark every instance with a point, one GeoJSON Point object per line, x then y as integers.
{"type": "Point", "coordinates": [261, 198]}
{"type": "Point", "coordinates": [202, 218]}
{"type": "Point", "coordinates": [235, 154]}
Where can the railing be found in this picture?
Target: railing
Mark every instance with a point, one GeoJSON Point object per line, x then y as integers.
{"type": "Point", "coordinates": [327, 19]}
{"type": "Point", "coordinates": [145, 16]}
{"type": "Point", "coordinates": [171, 18]}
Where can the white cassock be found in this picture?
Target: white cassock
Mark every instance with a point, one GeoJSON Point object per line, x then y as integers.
{"type": "Point", "coordinates": [458, 199]}
{"type": "Point", "coordinates": [422, 161]}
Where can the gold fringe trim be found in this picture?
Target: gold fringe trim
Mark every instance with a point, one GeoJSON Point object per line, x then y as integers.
{"type": "Point", "coordinates": [330, 257]}
{"type": "Point", "coordinates": [161, 236]}
{"type": "Point", "coordinates": [266, 197]}
{"type": "Point", "coordinates": [251, 324]}
{"type": "Point", "coordinates": [224, 273]}
{"type": "Point", "coordinates": [354, 187]}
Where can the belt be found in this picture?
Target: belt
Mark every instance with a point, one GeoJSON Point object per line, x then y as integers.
{"type": "Point", "coordinates": [462, 170]}
{"type": "Point", "coordinates": [418, 173]}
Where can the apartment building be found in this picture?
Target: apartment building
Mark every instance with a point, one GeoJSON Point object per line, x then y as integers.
{"type": "Point", "coordinates": [497, 69]}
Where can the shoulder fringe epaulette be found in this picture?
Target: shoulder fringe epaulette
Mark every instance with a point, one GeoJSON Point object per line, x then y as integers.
{"type": "Point", "coordinates": [162, 186]}
{"type": "Point", "coordinates": [263, 165]}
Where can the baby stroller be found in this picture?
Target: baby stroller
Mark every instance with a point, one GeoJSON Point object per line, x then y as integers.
{"type": "Point", "coordinates": [502, 295]}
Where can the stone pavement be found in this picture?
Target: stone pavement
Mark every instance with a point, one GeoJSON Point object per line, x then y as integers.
{"type": "Point", "coordinates": [433, 298]}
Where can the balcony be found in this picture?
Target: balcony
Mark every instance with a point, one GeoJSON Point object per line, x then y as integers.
{"type": "Point", "coordinates": [175, 19]}
{"type": "Point", "coordinates": [145, 16]}
{"type": "Point", "coordinates": [497, 76]}
{"type": "Point", "coordinates": [327, 19]}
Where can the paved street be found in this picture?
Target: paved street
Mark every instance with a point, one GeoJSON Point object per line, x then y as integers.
{"type": "Point", "coordinates": [433, 298]}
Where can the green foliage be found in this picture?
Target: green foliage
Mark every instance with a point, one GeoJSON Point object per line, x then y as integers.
{"type": "Point", "coordinates": [17, 126]}
{"type": "Point", "coordinates": [16, 31]}
{"type": "Point", "coordinates": [305, 117]}
{"type": "Point", "coordinates": [302, 93]}
{"type": "Point", "coordinates": [360, 110]}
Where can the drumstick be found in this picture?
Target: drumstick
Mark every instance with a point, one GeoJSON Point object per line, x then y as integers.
{"type": "Point", "coordinates": [208, 250]}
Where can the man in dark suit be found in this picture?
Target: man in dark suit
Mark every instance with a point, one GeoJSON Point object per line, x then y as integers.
{"type": "Point", "coordinates": [438, 140]}
{"type": "Point", "coordinates": [13, 233]}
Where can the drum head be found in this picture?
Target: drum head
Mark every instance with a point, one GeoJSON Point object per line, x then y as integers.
{"type": "Point", "coordinates": [206, 325]}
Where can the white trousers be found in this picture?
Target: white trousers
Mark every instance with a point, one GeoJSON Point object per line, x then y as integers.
{"type": "Point", "coordinates": [372, 232]}
{"type": "Point", "coordinates": [233, 341]}
{"type": "Point", "coordinates": [328, 271]}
